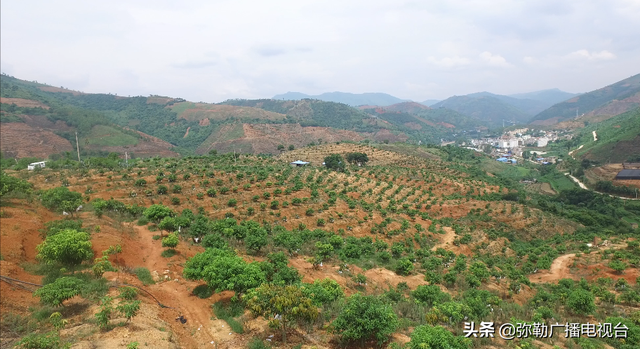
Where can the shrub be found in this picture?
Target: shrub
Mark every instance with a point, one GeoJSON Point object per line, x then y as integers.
{"type": "Point", "coordinates": [404, 266]}
{"type": "Point", "coordinates": [175, 201]}
{"type": "Point", "coordinates": [171, 240]}
{"type": "Point", "coordinates": [203, 291]}
{"type": "Point", "coordinates": [59, 291]}
{"type": "Point", "coordinates": [436, 337]}
{"type": "Point", "coordinates": [49, 340]}
{"type": "Point", "coordinates": [140, 183]}
{"type": "Point", "coordinates": [581, 302]}
{"type": "Point", "coordinates": [232, 202]}
{"type": "Point", "coordinates": [162, 189]}
{"type": "Point", "coordinates": [144, 275]}
{"type": "Point", "coordinates": [364, 317]}
{"type": "Point", "coordinates": [68, 247]}
{"type": "Point", "coordinates": [61, 199]}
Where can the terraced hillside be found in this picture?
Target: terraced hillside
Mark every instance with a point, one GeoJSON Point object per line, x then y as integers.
{"type": "Point", "coordinates": [596, 105]}
{"type": "Point", "coordinates": [419, 244]}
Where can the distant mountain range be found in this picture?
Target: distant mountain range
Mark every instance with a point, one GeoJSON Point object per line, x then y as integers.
{"type": "Point", "coordinates": [496, 109]}
{"type": "Point", "coordinates": [485, 107]}
{"type": "Point", "coordinates": [608, 101]}
{"type": "Point", "coordinates": [352, 99]}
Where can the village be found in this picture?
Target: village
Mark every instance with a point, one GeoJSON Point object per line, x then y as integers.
{"type": "Point", "coordinates": [521, 144]}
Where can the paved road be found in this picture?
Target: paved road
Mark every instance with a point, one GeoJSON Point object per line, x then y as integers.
{"type": "Point", "coordinates": [586, 188]}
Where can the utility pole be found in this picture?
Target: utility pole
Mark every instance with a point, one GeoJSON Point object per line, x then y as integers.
{"type": "Point", "coordinates": [77, 146]}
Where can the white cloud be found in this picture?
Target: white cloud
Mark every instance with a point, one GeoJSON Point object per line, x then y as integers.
{"type": "Point", "coordinates": [591, 56]}
{"type": "Point", "coordinates": [494, 60]}
{"type": "Point", "coordinates": [449, 62]}
{"type": "Point", "coordinates": [213, 50]}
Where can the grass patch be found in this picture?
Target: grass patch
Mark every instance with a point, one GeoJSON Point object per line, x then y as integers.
{"type": "Point", "coordinates": [169, 253]}
{"type": "Point", "coordinates": [144, 275]}
{"type": "Point", "coordinates": [16, 325]}
{"type": "Point", "coordinates": [257, 343]}
{"type": "Point", "coordinates": [228, 312]}
{"type": "Point", "coordinates": [109, 136]}
{"type": "Point", "coordinates": [203, 291]}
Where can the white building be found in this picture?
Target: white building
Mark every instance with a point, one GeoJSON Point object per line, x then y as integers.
{"type": "Point", "coordinates": [508, 143]}
{"type": "Point", "coordinates": [542, 142]}
{"type": "Point", "coordinates": [32, 166]}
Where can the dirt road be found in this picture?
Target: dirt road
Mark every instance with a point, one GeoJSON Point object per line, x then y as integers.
{"type": "Point", "coordinates": [559, 270]}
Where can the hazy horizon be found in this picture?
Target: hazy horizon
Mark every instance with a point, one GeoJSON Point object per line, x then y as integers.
{"type": "Point", "coordinates": [211, 52]}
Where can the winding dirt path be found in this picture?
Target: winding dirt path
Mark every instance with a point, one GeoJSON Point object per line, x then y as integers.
{"type": "Point", "coordinates": [559, 270]}
{"type": "Point", "coordinates": [174, 291]}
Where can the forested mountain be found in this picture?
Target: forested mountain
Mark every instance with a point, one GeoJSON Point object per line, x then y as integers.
{"type": "Point", "coordinates": [147, 126]}
{"type": "Point", "coordinates": [550, 96]}
{"type": "Point", "coordinates": [610, 100]}
{"type": "Point", "coordinates": [352, 99]}
{"type": "Point", "coordinates": [485, 108]}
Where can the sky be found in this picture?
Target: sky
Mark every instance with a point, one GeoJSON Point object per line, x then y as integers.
{"type": "Point", "coordinates": [215, 50]}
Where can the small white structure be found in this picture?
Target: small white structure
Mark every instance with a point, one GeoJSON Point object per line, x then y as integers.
{"type": "Point", "coordinates": [299, 163]}
{"type": "Point", "coordinates": [32, 166]}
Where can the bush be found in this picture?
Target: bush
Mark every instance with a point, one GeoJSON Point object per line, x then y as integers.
{"type": "Point", "coordinates": [59, 291]}
{"type": "Point", "coordinates": [162, 190]}
{"type": "Point", "coordinates": [232, 202]}
{"type": "Point", "coordinates": [144, 275]}
{"type": "Point", "coordinates": [61, 199]}
{"type": "Point", "coordinates": [140, 183]}
{"type": "Point", "coordinates": [404, 267]}
{"type": "Point", "coordinates": [203, 291]}
{"type": "Point", "coordinates": [175, 201]}
{"type": "Point", "coordinates": [50, 340]}
{"type": "Point", "coordinates": [168, 253]}
{"type": "Point", "coordinates": [437, 337]}
{"type": "Point", "coordinates": [323, 291]}
{"type": "Point", "coordinates": [68, 247]}
{"type": "Point", "coordinates": [364, 317]}
{"type": "Point", "coordinates": [170, 240]}
{"type": "Point", "coordinates": [430, 295]}
{"type": "Point", "coordinates": [581, 302]}
{"type": "Point", "coordinates": [128, 293]}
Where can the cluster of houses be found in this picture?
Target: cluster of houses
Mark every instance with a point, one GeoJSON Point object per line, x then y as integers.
{"type": "Point", "coordinates": [512, 143]}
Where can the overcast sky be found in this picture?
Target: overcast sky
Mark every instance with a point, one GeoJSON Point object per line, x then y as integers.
{"type": "Point", "coordinates": [214, 50]}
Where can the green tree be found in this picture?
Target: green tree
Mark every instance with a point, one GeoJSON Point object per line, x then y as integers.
{"type": "Point", "coordinates": [10, 184]}
{"type": "Point", "coordinates": [357, 158]}
{"type": "Point", "coordinates": [281, 305]}
{"type": "Point", "coordinates": [60, 290]}
{"type": "Point", "coordinates": [323, 291]}
{"type": "Point", "coordinates": [581, 302]}
{"type": "Point", "coordinates": [364, 317]}
{"type": "Point", "coordinates": [129, 309]}
{"type": "Point", "coordinates": [617, 266]}
{"type": "Point", "coordinates": [291, 147]}
{"type": "Point", "coordinates": [256, 239]}
{"type": "Point", "coordinates": [437, 337]}
{"type": "Point", "coordinates": [334, 162]}
{"type": "Point", "coordinates": [430, 295]}
{"type": "Point", "coordinates": [404, 266]}
{"type": "Point", "coordinates": [168, 224]}
{"type": "Point", "coordinates": [280, 147]}
{"type": "Point", "coordinates": [61, 199]}
{"type": "Point", "coordinates": [157, 212]}
{"type": "Point", "coordinates": [170, 241]}
{"type": "Point", "coordinates": [69, 248]}
{"type": "Point", "coordinates": [222, 270]}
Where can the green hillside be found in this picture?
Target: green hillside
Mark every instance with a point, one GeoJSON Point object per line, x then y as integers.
{"type": "Point", "coordinates": [589, 101]}
{"type": "Point", "coordinates": [485, 108]}
{"type": "Point", "coordinates": [618, 139]}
